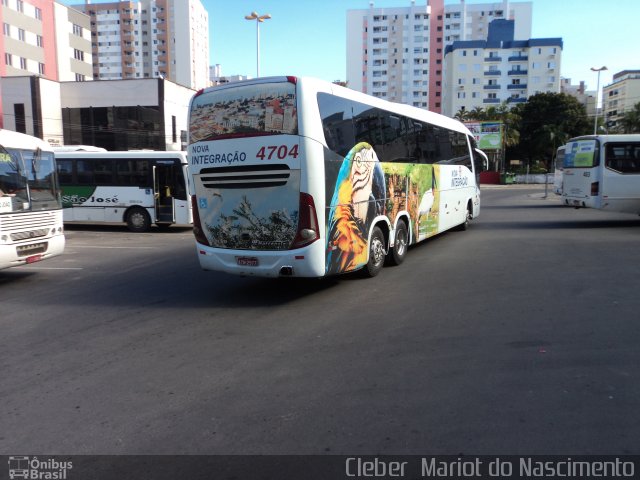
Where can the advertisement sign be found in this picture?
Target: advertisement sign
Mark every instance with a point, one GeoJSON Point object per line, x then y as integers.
{"type": "Point", "coordinates": [580, 154]}
{"type": "Point", "coordinates": [487, 134]}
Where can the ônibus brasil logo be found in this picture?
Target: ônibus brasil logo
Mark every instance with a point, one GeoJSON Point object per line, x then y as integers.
{"type": "Point", "coordinates": [33, 468]}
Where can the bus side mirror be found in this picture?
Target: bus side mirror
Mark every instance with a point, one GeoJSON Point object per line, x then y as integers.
{"type": "Point", "coordinates": [484, 160]}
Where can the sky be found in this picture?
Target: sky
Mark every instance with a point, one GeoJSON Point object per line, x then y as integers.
{"type": "Point", "coordinates": [308, 38]}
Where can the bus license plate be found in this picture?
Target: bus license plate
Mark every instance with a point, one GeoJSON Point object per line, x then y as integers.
{"type": "Point", "coordinates": [34, 258]}
{"type": "Point", "coordinates": [247, 261]}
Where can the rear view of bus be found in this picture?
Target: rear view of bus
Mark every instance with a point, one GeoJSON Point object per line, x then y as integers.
{"type": "Point", "coordinates": [581, 174]}
{"type": "Point", "coordinates": [30, 202]}
{"type": "Point", "coordinates": [603, 172]}
{"type": "Point", "coordinates": [254, 211]}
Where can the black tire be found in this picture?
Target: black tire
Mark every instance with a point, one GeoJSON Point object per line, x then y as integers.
{"type": "Point", "coordinates": [376, 253]}
{"type": "Point", "coordinates": [467, 220]}
{"type": "Point", "coordinates": [138, 220]}
{"type": "Point", "coordinates": [398, 253]}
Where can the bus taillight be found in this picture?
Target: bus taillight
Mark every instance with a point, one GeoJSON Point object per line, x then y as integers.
{"type": "Point", "coordinates": [595, 189]}
{"type": "Point", "coordinates": [197, 225]}
{"type": "Point", "coordinates": [308, 230]}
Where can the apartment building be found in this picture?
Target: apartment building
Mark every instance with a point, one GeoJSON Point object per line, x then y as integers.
{"type": "Point", "coordinates": [44, 38]}
{"type": "Point", "coordinates": [580, 92]}
{"type": "Point", "coordinates": [150, 39]}
{"type": "Point", "coordinates": [217, 78]}
{"type": "Point", "coordinates": [398, 53]}
{"type": "Point", "coordinates": [481, 73]}
{"type": "Point", "coordinates": [464, 21]}
{"type": "Point", "coordinates": [620, 96]}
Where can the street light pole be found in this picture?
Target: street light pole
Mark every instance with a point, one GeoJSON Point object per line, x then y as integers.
{"type": "Point", "coordinates": [595, 119]}
{"type": "Point", "coordinates": [259, 19]}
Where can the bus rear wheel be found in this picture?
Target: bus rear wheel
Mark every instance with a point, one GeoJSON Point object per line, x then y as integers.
{"type": "Point", "coordinates": [376, 253]}
{"type": "Point", "coordinates": [138, 220]}
{"type": "Point", "coordinates": [400, 244]}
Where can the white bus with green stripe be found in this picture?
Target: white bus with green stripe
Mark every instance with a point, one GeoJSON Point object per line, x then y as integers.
{"type": "Point", "coordinates": [139, 188]}
{"type": "Point", "coordinates": [30, 204]}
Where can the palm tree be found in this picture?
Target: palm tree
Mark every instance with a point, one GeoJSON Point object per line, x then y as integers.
{"type": "Point", "coordinates": [461, 115]}
{"type": "Point", "coordinates": [478, 113]}
{"type": "Point", "coordinates": [630, 121]}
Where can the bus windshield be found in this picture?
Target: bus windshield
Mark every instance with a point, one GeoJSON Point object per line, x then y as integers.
{"type": "Point", "coordinates": [259, 109]}
{"type": "Point", "coordinates": [41, 179]}
{"type": "Point", "coordinates": [581, 154]}
{"type": "Point", "coordinates": [27, 178]}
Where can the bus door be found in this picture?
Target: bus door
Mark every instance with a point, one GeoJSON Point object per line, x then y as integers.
{"type": "Point", "coordinates": [164, 189]}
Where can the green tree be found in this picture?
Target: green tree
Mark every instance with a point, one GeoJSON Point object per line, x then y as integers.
{"type": "Point", "coordinates": [547, 120]}
{"type": "Point", "coordinates": [461, 115]}
{"type": "Point", "coordinates": [630, 121]}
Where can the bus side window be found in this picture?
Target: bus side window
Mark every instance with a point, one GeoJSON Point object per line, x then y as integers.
{"type": "Point", "coordinates": [103, 172]}
{"type": "Point", "coordinates": [337, 123]}
{"type": "Point", "coordinates": [125, 173]}
{"type": "Point", "coordinates": [143, 173]}
{"type": "Point", "coordinates": [65, 171]}
{"type": "Point", "coordinates": [84, 172]}
{"type": "Point", "coordinates": [623, 157]}
{"type": "Point", "coordinates": [395, 147]}
{"type": "Point", "coordinates": [367, 129]}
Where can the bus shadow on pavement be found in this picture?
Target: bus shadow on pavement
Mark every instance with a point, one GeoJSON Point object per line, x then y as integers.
{"type": "Point", "coordinates": [518, 207]}
{"type": "Point", "coordinates": [13, 276]}
{"type": "Point", "coordinates": [559, 225]}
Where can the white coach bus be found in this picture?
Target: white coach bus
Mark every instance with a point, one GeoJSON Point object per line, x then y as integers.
{"type": "Point", "coordinates": [603, 172]}
{"type": "Point", "coordinates": [30, 207]}
{"type": "Point", "coordinates": [300, 177]}
{"type": "Point", "coordinates": [136, 187]}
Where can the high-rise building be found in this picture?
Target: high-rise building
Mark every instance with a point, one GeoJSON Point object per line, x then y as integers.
{"type": "Point", "coordinates": [481, 73]}
{"type": "Point", "coordinates": [580, 92]}
{"type": "Point", "coordinates": [464, 21]}
{"type": "Point", "coordinates": [620, 96]}
{"type": "Point", "coordinates": [398, 53]}
{"type": "Point", "coordinates": [44, 38]}
{"type": "Point", "coordinates": [150, 39]}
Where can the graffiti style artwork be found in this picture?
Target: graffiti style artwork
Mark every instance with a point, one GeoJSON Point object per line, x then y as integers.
{"type": "Point", "coordinates": [359, 197]}
{"type": "Point", "coordinates": [414, 188]}
{"type": "Point", "coordinates": [364, 189]}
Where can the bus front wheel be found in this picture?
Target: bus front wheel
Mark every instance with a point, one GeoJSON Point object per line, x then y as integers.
{"type": "Point", "coordinates": [138, 220]}
{"type": "Point", "coordinates": [376, 253]}
{"type": "Point", "coordinates": [467, 220]}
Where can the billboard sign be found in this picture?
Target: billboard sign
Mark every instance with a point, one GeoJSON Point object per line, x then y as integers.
{"type": "Point", "coordinates": [487, 134]}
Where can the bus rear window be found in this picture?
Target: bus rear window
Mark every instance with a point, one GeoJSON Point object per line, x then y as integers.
{"type": "Point", "coordinates": [244, 111]}
{"type": "Point", "coordinates": [581, 154]}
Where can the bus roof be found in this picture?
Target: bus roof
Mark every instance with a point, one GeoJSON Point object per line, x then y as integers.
{"type": "Point", "coordinates": [609, 138]}
{"type": "Point", "coordinates": [79, 148]}
{"type": "Point", "coordinates": [11, 139]}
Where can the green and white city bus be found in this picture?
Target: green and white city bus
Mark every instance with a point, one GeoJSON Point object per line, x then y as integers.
{"type": "Point", "coordinates": [137, 187]}
{"type": "Point", "coordinates": [301, 177]}
{"type": "Point", "coordinates": [30, 207]}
